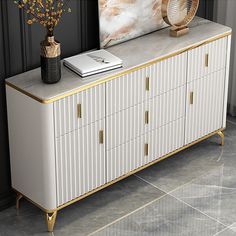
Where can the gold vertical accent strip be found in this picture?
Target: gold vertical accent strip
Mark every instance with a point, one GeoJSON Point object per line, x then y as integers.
{"type": "Point", "coordinates": [101, 138]}
{"type": "Point", "coordinates": [146, 117]}
{"type": "Point", "coordinates": [191, 98]}
{"type": "Point", "coordinates": [146, 149]}
{"type": "Point", "coordinates": [147, 83]}
{"type": "Point", "coordinates": [79, 111]}
{"type": "Point", "coordinates": [207, 60]}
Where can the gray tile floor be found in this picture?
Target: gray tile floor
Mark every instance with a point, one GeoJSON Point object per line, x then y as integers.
{"type": "Point", "coordinates": [192, 193]}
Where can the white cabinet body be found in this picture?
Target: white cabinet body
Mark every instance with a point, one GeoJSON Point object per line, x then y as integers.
{"type": "Point", "coordinates": [85, 141]}
{"type": "Point", "coordinates": [33, 169]}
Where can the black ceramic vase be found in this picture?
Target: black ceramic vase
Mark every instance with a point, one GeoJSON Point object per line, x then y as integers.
{"type": "Point", "coordinates": [50, 60]}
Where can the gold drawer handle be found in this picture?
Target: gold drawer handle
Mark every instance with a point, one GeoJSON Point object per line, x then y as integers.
{"type": "Point", "coordinates": [191, 98]}
{"type": "Point", "coordinates": [146, 149]}
{"type": "Point", "coordinates": [101, 137]}
{"type": "Point", "coordinates": [146, 117]}
{"type": "Point", "coordinates": [79, 111]}
{"type": "Point", "coordinates": [207, 60]}
{"type": "Point", "coordinates": [147, 83]}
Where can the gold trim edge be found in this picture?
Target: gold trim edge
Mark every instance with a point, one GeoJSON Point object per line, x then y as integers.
{"type": "Point", "coordinates": [26, 93]}
{"type": "Point", "coordinates": [123, 176]}
{"type": "Point", "coordinates": [125, 72]}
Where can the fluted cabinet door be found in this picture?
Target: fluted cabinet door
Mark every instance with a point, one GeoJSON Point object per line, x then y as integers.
{"type": "Point", "coordinates": [204, 106]}
{"type": "Point", "coordinates": [164, 140]}
{"type": "Point", "coordinates": [167, 74]}
{"type": "Point", "coordinates": [126, 91]}
{"type": "Point", "coordinates": [207, 59]}
{"type": "Point", "coordinates": [125, 125]}
{"type": "Point", "coordinates": [166, 108]}
{"type": "Point", "coordinates": [79, 110]}
{"type": "Point", "coordinates": [138, 86]}
{"type": "Point", "coordinates": [125, 158]}
{"type": "Point", "coordinates": [80, 161]}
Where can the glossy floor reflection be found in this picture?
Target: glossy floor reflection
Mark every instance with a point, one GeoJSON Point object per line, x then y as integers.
{"type": "Point", "coordinates": [166, 216]}
{"type": "Point", "coordinates": [192, 193]}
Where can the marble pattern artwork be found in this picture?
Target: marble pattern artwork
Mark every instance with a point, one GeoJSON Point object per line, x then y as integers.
{"type": "Point", "coordinates": [121, 20]}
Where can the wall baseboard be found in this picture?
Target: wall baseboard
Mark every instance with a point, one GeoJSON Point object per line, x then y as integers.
{"type": "Point", "coordinates": [7, 200]}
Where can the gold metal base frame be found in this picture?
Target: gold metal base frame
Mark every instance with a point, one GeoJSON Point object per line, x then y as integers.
{"type": "Point", "coordinates": [18, 198]}
{"type": "Point", "coordinates": [51, 215]}
{"type": "Point", "coordinates": [221, 134]}
{"type": "Point", "coordinates": [51, 220]}
{"type": "Point", "coordinates": [178, 32]}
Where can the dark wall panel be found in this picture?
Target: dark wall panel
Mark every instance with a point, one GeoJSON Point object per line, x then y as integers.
{"type": "Point", "coordinates": [206, 9]}
{"type": "Point", "coordinates": [19, 51]}
{"type": "Point", "coordinates": [78, 31]}
{"type": "Point", "coordinates": [5, 191]}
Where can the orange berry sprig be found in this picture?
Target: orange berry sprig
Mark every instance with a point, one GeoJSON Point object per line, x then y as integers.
{"type": "Point", "coordinates": [45, 12]}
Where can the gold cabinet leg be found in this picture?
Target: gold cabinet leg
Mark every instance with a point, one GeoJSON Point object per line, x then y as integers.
{"type": "Point", "coordinates": [18, 198]}
{"type": "Point", "coordinates": [221, 134]}
{"type": "Point", "coordinates": [51, 219]}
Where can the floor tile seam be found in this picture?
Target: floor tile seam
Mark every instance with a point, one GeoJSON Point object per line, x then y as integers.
{"type": "Point", "coordinates": [180, 200]}
{"type": "Point", "coordinates": [165, 194]}
{"type": "Point", "coordinates": [231, 122]}
{"type": "Point", "coordinates": [128, 214]}
{"type": "Point", "coordinates": [179, 187]}
{"type": "Point", "coordinates": [203, 213]}
{"type": "Point", "coordinates": [221, 231]}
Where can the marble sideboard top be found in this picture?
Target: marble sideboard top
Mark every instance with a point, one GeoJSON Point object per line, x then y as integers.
{"type": "Point", "coordinates": [134, 53]}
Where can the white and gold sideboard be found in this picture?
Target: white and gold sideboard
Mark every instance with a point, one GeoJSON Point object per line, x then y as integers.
{"type": "Point", "coordinates": [76, 137]}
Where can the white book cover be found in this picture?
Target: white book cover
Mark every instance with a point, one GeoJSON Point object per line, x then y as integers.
{"type": "Point", "coordinates": [93, 62]}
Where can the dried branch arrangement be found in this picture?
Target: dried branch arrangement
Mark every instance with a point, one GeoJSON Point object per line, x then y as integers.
{"type": "Point", "coordinates": [46, 12]}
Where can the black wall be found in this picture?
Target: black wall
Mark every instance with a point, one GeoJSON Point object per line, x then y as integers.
{"type": "Point", "coordinates": [19, 51]}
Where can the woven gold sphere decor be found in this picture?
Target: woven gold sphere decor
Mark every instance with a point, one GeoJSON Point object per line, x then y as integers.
{"type": "Point", "coordinates": [178, 14]}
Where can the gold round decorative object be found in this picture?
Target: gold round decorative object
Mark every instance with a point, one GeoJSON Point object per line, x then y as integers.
{"type": "Point", "coordinates": [178, 14]}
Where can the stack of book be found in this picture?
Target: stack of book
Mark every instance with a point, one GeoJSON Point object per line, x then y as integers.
{"type": "Point", "coordinates": [93, 62]}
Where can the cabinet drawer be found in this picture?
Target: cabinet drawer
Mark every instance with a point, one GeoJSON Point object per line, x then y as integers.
{"type": "Point", "coordinates": [130, 123]}
{"type": "Point", "coordinates": [135, 87]}
{"type": "Point", "coordinates": [125, 125]}
{"type": "Point", "coordinates": [125, 158]}
{"type": "Point", "coordinates": [80, 162]}
{"type": "Point", "coordinates": [126, 91]}
{"type": "Point", "coordinates": [78, 110]}
{"type": "Point", "coordinates": [206, 59]}
{"type": "Point", "coordinates": [166, 108]}
{"type": "Point", "coordinates": [164, 140]}
{"type": "Point", "coordinates": [168, 74]}
{"type": "Point", "coordinates": [144, 149]}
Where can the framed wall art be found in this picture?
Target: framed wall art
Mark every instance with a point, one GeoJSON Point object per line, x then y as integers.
{"type": "Point", "coordinates": [122, 20]}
